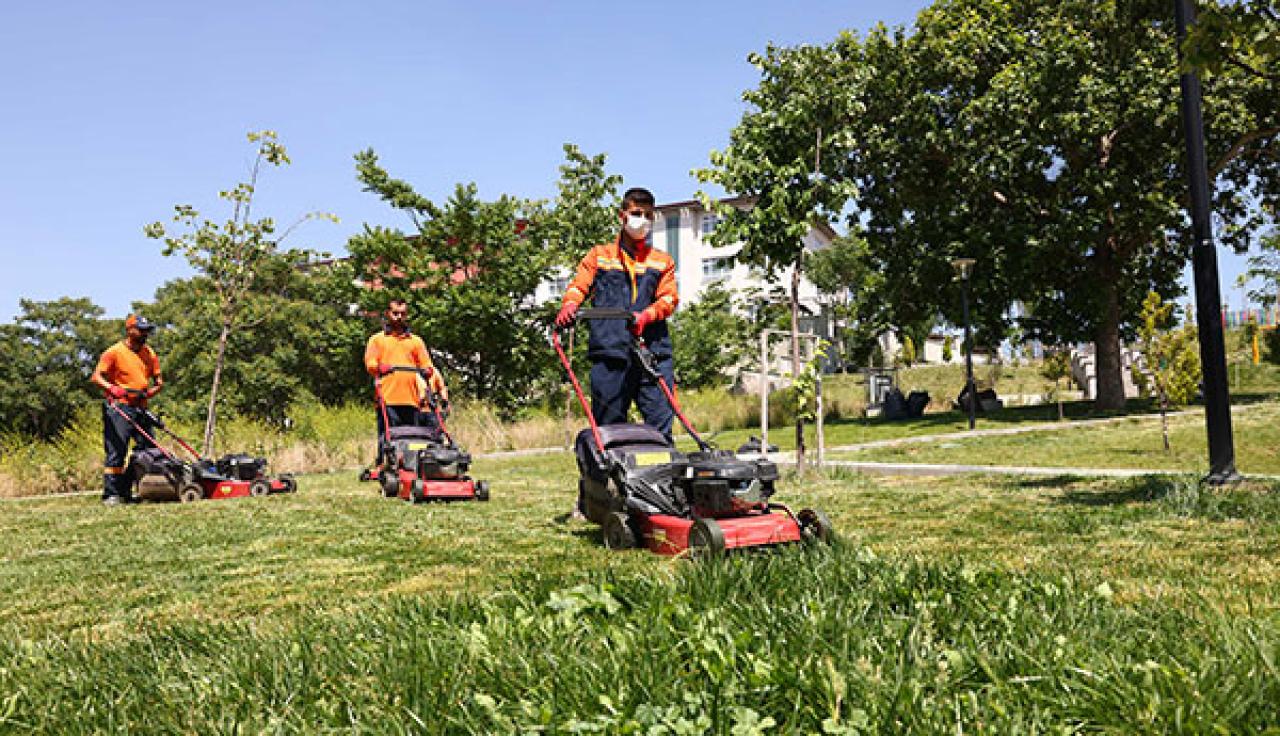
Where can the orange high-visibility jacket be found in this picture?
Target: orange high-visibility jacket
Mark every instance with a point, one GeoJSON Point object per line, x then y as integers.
{"type": "Point", "coordinates": [401, 349]}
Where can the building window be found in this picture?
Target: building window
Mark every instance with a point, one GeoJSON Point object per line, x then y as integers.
{"type": "Point", "coordinates": [716, 269]}
{"type": "Point", "coordinates": [559, 285]}
{"type": "Point", "coordinates": [709, 223]}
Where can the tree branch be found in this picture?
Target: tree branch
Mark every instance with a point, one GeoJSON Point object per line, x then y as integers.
{"type": "Point", "coordinates": [1249, 69]}
{"type": "Point", "coordinates": [1239, 146]}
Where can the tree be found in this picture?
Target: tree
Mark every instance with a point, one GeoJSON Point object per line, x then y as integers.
{"type": "Point", "coordinates": [1057, 366]}
{"type": "Point", "coordinates": [313, 342]}
{"type": "Point", "coordinates": [948, 349]}
{"type": "Point", "coordinates": [1044, 140]}
{"type": "Point", "coordinates": [469, 273]}
{"type": "Point", "coordinates": [1170, 368]}
{"type": "Point", "coordinates": [1244, 35]}
{"type": "Point", "coordinates": [1265, 267]}
{"type": "Point", "coordinates": [779, 160]}
{"type": "Point", "coordinates": [710, 337]}
{"type": "Point", "coordinates": [841, 272]}
{"type": "Point", "coordinates": [907, 355]}
{"type": "Point", "coordinates": [50, 350]}
{"type": "Point", "coordinates": [241, 259]}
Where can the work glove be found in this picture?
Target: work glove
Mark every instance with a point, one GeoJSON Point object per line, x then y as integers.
{"type": "Point", "coordinates": [383, 369]}
{"type": "Point", "coordinates": [642, 320]}
{"type": "Point", "coordinates": [567, 314]}
{"type": "Point", "coordinates": [117, 392]}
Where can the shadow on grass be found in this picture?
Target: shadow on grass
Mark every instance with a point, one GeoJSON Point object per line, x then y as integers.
{"type": "Point", "coordinates": [1143, 489]}
{"type": "Point", "coordinates": [1185, 496]}
{"type": "Point", "coordinates": [1056, 481]}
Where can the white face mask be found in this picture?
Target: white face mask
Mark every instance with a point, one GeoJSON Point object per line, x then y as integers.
{"type": "Point", "coordinates": [638, 226]}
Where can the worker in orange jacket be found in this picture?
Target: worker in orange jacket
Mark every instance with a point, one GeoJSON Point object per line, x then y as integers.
{"type": "Point", "coordinates": [128, 374]}
{"type": "Point", "coordinates": [396, 347]}
{"type": "Point", "coordinates": [627, 274]}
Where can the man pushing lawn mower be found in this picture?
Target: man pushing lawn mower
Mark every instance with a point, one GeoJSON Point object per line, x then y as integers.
{"type": "Point", "coordinates": [634, 483]}
{"type": "Point", "coordinates": [417, 458]}
{"type": "Point", "coordinates": [629, 275]}
{"type": "Point", "coordinates": [402, 398]}
{"type": "Point", "coordinates": [129, 374]}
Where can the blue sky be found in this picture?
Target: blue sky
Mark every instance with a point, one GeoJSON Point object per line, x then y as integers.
{"type": "Point", "coordinates": [114, 112]}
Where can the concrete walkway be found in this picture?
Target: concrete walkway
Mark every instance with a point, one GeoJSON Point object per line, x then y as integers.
{"type": "Point", "coordinates": [1027, 428]}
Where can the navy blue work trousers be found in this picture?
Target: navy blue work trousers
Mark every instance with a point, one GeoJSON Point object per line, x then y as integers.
{"type": "Point", "coordinates": [616, 383]}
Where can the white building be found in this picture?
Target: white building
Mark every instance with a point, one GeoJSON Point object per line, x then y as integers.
{"type": "Point", "coordinates": [682, 230]}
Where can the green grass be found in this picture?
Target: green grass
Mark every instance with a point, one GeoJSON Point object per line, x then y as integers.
{"type": "Point", "coordinates": [1130, 444]}
{"type": "Point", "coordinates": [951, 604]}
{"type": "Point", "coordinates": [853, 431]}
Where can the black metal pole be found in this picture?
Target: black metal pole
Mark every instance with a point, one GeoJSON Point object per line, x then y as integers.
{"type": "Point", "coordinates": [1204, 263]}
{"type": "Point", "coordinates": [968, 353]}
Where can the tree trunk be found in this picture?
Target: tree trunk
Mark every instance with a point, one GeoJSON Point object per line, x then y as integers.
{"type": "Point", "coordinates": [1057, 390]}
{"type": "Point", "coordinates": [1164, 421]}
{"type": "Point", "coordinates": [795, 359]}
{"type": "Point", "coordinates": [211, 417]}
{"type": "Point", "coordinates": [1110, 367]}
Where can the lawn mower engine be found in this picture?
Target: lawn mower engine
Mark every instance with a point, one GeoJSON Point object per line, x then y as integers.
{"type": "Point", "coordinates": [719, 484]}
{"type": "Point", "coordinates": [442, 463]}
{"type": "Point", "coordinates": [241, 467]}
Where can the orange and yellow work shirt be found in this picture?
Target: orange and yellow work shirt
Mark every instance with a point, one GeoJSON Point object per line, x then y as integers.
{"type": "Point", "coordinates": [121, 366]}
{"type": "Point", "coordinates": [612, 278]}
{"type": "Point", "coordinates": [401, 349]}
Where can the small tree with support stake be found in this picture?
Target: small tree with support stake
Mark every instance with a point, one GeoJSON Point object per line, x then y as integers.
{"type": "Point", "coordinates": [1170, 357]}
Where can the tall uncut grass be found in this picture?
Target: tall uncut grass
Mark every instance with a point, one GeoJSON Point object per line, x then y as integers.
{"type": "Point", "coordinates": [831, 641]}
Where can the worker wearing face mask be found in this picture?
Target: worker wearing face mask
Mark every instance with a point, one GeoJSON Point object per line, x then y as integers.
{"type": "Point", "coordinates": [627, 274]}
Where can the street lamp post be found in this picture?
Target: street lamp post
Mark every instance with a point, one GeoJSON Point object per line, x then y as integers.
{"type": "Point", "coordinates": [963, 267]}
{"type": "Point", "coordinates": [1204, 260]}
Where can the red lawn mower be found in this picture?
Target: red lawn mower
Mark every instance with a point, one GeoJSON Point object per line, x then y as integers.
{"type": "Point", "coordinates": [641, 490]}
{"type": "Point", "coordinates": [160, 475]}
{"type": "Point", "coordinates": [423, 463]}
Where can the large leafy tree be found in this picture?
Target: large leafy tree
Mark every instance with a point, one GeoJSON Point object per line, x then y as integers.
{"type": "Point", "coordinates": [242, 261]}
{"type": "Point", "coordinates": [50, 350]}
{"type": "Point", "coordinates": [1044, 140]}
{"type": "Point", "coordinates": [1264, 266]}
{"type": "Point", "coordinates": [780, 159]}
{"type": "Point", "coordinates": [469, 270]}
{"type": "Point", "coordinates": [307, 346]}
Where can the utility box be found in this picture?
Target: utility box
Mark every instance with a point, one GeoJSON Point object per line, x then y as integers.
{"type": "Point", "coordinates": [880, 381]}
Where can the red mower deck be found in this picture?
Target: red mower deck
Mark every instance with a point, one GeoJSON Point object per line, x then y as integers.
{"type": "Point", "coordinates": [669, 535]}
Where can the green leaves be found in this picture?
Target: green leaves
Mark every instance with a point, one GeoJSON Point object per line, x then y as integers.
{"type": "Point", "coordinates": [471, 267]}
{"type": "Point", "coordinates": [1171, 355]}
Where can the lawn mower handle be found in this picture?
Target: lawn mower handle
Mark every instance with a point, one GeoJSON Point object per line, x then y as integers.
{"type": "Point", "coordinates": [116, 406]}
{"type": "Point", "coordinates": [606, 313]}
{"type": "Point", "coordinates": [577, 389]}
